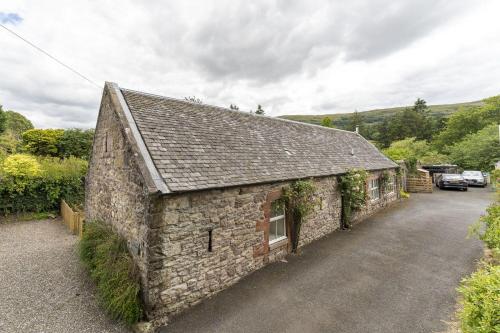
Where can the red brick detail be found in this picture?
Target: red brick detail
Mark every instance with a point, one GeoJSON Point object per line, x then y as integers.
{"type": "Point", "coordinates": [263, 225]}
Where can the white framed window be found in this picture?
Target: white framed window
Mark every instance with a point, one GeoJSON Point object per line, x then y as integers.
{"type": "Point", "coordinates": [277, 226]}
{"type": "Point", "coordinates": [391, 185]}
{"type": "Point", "coordinates": [373, 189]}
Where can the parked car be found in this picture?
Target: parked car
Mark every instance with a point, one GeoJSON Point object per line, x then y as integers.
{"type": "Point", "coordinates": [474, 178]}
{"type": "Point", "coordinates": [451, 180]}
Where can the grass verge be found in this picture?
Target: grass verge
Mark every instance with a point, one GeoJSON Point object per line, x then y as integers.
{"type": "Point", "coordinates": [106, 256]}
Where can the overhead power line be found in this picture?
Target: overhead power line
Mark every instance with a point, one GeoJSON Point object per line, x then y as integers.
{"type": "Point", "coordinates": [51, 56]}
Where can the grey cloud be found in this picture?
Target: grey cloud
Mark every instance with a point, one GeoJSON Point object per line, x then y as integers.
{"type": "Point", "coordinates": [266, 41]}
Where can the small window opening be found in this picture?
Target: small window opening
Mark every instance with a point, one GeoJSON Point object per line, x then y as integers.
{"type": "Point", "coordinates": [106, 143]}
{"type": "Point", "coordinates": [209, 240]}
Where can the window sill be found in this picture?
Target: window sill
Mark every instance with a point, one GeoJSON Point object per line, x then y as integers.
{"type": "Point", "coordinates": [279, 242]}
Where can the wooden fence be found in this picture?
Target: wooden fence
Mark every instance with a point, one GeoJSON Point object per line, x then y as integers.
{"type": "Point", "coordinates": [420, 183]}
{"type": "Point", "coordinates": [74, 220]}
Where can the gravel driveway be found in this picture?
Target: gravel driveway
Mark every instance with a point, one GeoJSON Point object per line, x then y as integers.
{"type": "Point", "coordinates": [394, 272]}
{"type": "Point", "coordinates": [43, 288]}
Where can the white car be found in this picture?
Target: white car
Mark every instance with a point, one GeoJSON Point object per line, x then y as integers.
{"type": "Point", "coordinates": [474, 178]}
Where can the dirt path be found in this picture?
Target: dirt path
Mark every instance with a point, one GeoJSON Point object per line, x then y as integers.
{"type": "Point", "coordinates": [43, 287]}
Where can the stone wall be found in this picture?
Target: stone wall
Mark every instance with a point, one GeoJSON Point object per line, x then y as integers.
{"type": "Point", "coordinates": [115, 191]}
{"type": "Point", "coordinates": [185, 271]}
{"type": "Point", "coordinates": [385, 199]}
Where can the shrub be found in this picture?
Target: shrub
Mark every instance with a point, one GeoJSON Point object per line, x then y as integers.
{"type": "Point", "coordinates": [491, 222]}
{"type": "Point", "coordinates": [353, 191]}
{"type": "Point", "coordinates": [299, 198]}
{"type": "Point", "coordinates": [31, 185]}
{"type": "Point", "coordinates": [403, 194]}
{"type": "Point", "coordinates": [106, 256]}
{"type": "Point", "coordinates": [42, 141]}
{"type": "Point", "coordinates": [76, 142]}
{"type": "Point", "coordinates": [481, 301]}
{"type": "Point", "coordinates": [21, 165]}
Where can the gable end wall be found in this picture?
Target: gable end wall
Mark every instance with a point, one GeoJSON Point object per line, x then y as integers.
{"type": "Point", "coordinates": [116, 192]}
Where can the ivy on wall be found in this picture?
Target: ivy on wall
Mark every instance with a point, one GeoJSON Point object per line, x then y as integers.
{"type": "Point", "coordinates": [384, 181]}
{"type": "Point", "coordinates": [353, 192]}
{"type": "Point", "coordinates": [300, 201]}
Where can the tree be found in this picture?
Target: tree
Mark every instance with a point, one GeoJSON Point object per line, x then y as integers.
{"type": "Point", "coordinates": [411, 122]}
{"type": "Point", "coordinates": [356, 120]}
{"type": "Point", "coordinates": [75, 142]}
{"type": "Point", "coordinates": [193, 99]}
{"type": "Point", "coordinates": [259, 110]}
{"type": "Point", "coordinates": [234, 107]}
{"type": "Point", "coordinates": [468, 121]}
{"type": "Point", "coordinates": [2, 120]}
{"type": "Point", "coordinates": [17, 123]}
{"type": "Point", "coordinates": [477, 151]}
{"type": "Point", "coordinates": [9, 143]}
{"type": "Point", "coordinates": [327, 122]}
{"type": "Point", "coordinates": [412, 149]}
{"type": "Point", "coordinates": [42, 141]}
{"type": "Point", "coordinates": [21, 165]}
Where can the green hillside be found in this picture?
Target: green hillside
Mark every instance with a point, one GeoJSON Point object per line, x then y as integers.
{"type": "Point", "coordinates": [340, 120]}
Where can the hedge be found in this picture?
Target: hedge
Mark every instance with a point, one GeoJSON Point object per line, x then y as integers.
{"type": "Point", "coordinates": [29, 184]}
{"type": "Point", "coordinates": [481, 301]}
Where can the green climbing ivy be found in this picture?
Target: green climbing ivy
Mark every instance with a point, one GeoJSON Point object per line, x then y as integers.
{"type": "Point", "coordinates": [300, 201]}
{"type": "Point", "coordinates": [384, 180]}
{"type": "Point", "coordinates": [353, 191]}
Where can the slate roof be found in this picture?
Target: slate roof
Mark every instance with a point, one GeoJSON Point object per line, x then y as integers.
{"type": "Point", "coordinates": [197, 146]}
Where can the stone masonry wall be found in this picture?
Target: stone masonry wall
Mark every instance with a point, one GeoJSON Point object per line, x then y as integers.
{"type": "Point", "coordinates": [115, 191]}
{"type": "Point", "coordinates": [183, 269]}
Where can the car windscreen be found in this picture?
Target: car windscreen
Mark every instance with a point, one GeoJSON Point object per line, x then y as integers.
{"type": "Point", "coordinates": [472, 173]}
{"type": "Point", "coordinates": [452, 177]}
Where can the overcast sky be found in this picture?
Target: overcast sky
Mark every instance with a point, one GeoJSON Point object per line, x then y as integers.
{"type": "Point", "coordinates": [293, 57]}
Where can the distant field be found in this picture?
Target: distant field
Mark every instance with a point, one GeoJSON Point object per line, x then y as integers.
{"type": "Point", "coordinates": [375, 116]}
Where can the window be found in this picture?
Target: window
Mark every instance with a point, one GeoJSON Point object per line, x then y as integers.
{"type": "Point", "coordinates": [373, 188]}
{"type": "Point", "coordinates": [390, 185]}
{"type": "Point", "coordinates": [277, 227]}
{"type": "Point", "coordinates": [106, 143]}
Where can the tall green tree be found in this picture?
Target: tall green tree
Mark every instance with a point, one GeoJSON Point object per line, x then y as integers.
{"type": "Point", "coordinates": [17, 123]}
{"type": "Point", "coordinates": [2, 120]}
{"type": "Point", "coordinates": [468, 121]}
{"type": "Point", "coordinates": [260, 111]}
{"type": "Point", "coordinates": [42, 141]}
{"type": "Point", "coordinates": [477, 151]}
{"type": "Point", "coordinates": [411, 122]}
{"type": "Point", "coordinates": [75, 142]}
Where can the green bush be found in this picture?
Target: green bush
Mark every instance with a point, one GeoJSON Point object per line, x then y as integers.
{"type": "Point", "coordinates": [481, 301]}
{"type": "Point", "coordinates": [106, 256]}
{"type": "Point", "coordinates": [353, 192]}
{"type": "Point", "coordinates": [42, 141]}
{"type": "Point", "coordinates": [38, 185]}
{"type": "Point", "coordinates": [490, 234]}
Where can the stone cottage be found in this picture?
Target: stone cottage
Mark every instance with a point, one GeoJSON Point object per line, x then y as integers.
{"type": "Point", "coordinates": [191, 187]}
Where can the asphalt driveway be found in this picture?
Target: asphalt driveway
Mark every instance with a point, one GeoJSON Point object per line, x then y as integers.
{"type": "Point", "coordinates": [395, 272]}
